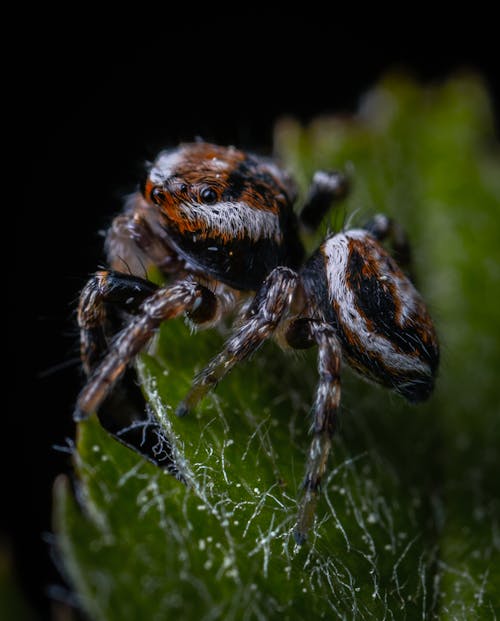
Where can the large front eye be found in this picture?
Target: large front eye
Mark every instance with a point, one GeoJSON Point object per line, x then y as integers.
{"type": "Point", "coordinates": [157, 195]}
{"type": "Point", "coordinates": [208, 196]}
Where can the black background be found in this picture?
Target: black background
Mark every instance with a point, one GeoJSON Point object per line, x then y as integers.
{"type": "Point", "coordinates": [93, 108]}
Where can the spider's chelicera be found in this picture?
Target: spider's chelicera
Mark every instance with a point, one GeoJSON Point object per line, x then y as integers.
{"type": "Point", "coordinates": [219, 224]}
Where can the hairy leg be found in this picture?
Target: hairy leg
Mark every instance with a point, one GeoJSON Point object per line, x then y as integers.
{"type": "Point", "coordinates": [325, 411]}
{"type": "Point", "coordinates": [326, 187]}
{"type": "Point", "coordinates": [268, 308]}
{"type": "Point", "coordinates": [163, 304]}
{"type": "Point", "coordinates": [105, 290]}
{"type": "Point", "coordinates": [124, 414]}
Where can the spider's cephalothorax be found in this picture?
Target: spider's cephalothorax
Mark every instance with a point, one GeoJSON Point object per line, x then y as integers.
{"type": "Point", "coordinates": [219, 224]}
{"type": "Point", "coordinates": [228, 213]}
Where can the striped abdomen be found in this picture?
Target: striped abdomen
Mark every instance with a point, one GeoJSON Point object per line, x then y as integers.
{"type": "Point", "coordinates": [382, 323]}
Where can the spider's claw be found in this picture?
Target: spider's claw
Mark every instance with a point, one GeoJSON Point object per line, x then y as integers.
{"type": "Point", "coordinates": [305, 516]}
{"type": "Point", "coordinates": [300, 538]}
{"type": "Point", "coordinates": [182, 410]}
{"type": "Point", "coordinates": [80, 415]}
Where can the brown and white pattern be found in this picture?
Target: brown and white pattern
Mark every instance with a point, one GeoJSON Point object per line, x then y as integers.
{"type": "Point", "coordinates": [220, 225]}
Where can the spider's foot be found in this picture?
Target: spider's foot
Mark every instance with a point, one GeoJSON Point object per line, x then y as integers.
{"type": "Point", "coordinates": [305, 517]}
{"type": "Point", "coordinates": [300, 538]}
{"type": "Point", "coordinates": [182, 409]}
{"type": "Point", "coordinates": [198, 390]}
{"type": "Point", "coordinates": [79, 414]}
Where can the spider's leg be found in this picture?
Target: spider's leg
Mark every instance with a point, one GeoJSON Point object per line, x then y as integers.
{"type": "Point", "coordinates": [269, 306]}
{"type": "Point", "coordinates": [383, 228]}
{"type": "Point", "coordinates": [124, 414]}
{"type": "Point", "coordinates": [163, 304]}
{"type": "Point", "coordinates": [325, 409]}
{"type": "Point", "coordinates": [326, 187]}
{"type": "Point", "coordinates": [105, 290]}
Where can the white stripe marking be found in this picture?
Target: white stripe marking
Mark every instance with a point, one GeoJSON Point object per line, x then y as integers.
{"type": "Point", "coordinates": [165, 165]}
{"type": "Point", "coordinates": [336, 251]}
{"type": "Point", "coordinates": [236, 219]}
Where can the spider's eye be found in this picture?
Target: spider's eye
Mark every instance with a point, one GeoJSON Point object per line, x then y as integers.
{"type": "Point", "coordinates": [208, 196]}
{"type": "Point", "coordinates": [157, 196]}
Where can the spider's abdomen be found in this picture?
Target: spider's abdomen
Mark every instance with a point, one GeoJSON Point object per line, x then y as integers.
{"type": "Point", "coordinates": [382, 323]}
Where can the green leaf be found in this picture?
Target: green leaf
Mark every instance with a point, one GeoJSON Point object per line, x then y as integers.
{"type": "Point", "coordinates": [407, 526]}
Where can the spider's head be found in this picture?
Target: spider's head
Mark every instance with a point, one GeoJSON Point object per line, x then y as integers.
{"type": "Point", "coordinates": [218, 192]}
{"type": "Point", "coordinates": [218, 204]}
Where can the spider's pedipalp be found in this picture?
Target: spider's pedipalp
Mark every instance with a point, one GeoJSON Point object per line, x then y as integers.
{"type": "Point", "coordinates": [135, 242]}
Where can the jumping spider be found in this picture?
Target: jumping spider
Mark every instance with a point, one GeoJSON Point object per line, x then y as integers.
{"type": "Point", "coordinates": [219, 224]}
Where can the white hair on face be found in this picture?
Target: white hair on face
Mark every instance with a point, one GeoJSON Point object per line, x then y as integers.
{"type": "Point", "coordinates": [219, 164]}
{"type": "Point", "coordinates": [336, 252]}
{"type": "Point", "coordinates": [165, 165]}
{"type": "Point", "coordinates": [236, 219]}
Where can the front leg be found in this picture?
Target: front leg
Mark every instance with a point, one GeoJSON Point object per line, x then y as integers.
{"type": "Point", "coordinates": [268, 308]}
{"type": "Point", "coordinates": [106, 290]}
{"type": "Point", "coordinates": [166, 303]}
{"type": "Point", "coordinates": [103, 302]}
